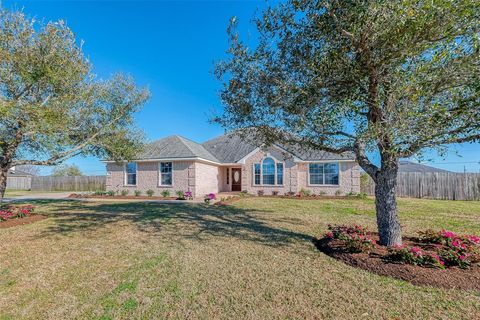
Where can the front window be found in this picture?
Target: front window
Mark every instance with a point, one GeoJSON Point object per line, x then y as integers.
{"type": "Point", "coordinates": [131, 173]}
{"type": "Point", "coordinates": [323, 173]}
{"type": "Point", "coordinates": [166, 173]}
{"type": "Point", "coordinates": [280, 173]}
{"type": "Point", "coordinates": [257, 173]}
{"type": "Point", "coordinates": [268, 171]}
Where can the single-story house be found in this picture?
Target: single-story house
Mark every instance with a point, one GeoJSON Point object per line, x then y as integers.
{"type": "Point", "coordinates": [231, 164]}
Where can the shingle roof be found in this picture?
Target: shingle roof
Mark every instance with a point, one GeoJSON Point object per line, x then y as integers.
{"type": "Point", "coordinates": [408, 166]}
{"type": "Point", "coordinates": [175, 147]}
{"type": "Point", "coordinates": [229, 148]}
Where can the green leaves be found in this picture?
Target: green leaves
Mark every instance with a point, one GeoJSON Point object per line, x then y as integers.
{"type": "Point", "coordinates": [51, 105]}
{"type": "Point", "coordinates": [393, 76]}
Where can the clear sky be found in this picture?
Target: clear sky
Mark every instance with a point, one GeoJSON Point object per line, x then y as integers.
{"type": "Point", "coordinates": [171, 47]}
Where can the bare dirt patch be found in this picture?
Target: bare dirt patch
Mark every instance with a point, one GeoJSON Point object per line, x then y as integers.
{"type": "Point", "coordinates": [21, 221]}
{"type": "Point", "coordinates": [377, 262]}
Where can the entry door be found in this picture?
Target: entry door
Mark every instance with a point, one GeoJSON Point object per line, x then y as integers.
{"type": "Point", "coordinates": [236, 179]}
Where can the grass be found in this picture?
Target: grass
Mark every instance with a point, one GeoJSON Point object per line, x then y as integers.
{"type": "Point", "coordinates": [252, 260]}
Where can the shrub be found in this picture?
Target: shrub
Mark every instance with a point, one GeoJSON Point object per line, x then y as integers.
{"type": "Point", "coordinates": [351, 194]}
{"type": "Point", "coordinates": [322, 193]}
{"type": "Point", "coordinates": [260, 193]}
{"type": "Point", "coordinates": [304, 192]}
{"type": "Point", "coordinates": [243, 193]}
{"type": "Point", "coordinates": [188, 195]}
{"type": "Point", "coordinates": [150, 192]}
{"type": "Point", "coordinates": [355, 237]}
{"type": "Point", "coordinates": [209, 197]}
{"type": "Point", "coordinates": [125, 192]}
{"type": "Point", "coordinates": [338, 193]}
{"type": "Point", "coordinates": [415, 256]}
{"type": "Point", "coordinates": [290, 194]}
{"type": "Point", "coordinates": [99, 192]}
{"type": "Point", "coordinates": [451, 250]}
{"type": "Point", "coordinates": [137, 193]}
{"type": "Point", "coordinates": [180, 195]}
{"type": "Point", "coordinates": [275, 193]}
{"type": "Point", "coordinates": [362, 195]}
{"type": "Point", "coordinates": [165, 193]}
{"type": "Point", "coordinates": [12, 212]}
{"type": "Point", "coordinates": [110, 193]}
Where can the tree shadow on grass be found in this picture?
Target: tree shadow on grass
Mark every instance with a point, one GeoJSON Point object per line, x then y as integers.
{"type": "Point", "coordinates": [190, 221]}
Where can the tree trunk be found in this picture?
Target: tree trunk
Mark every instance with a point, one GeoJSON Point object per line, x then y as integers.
{"type": "Point", "coordinates": [386, 205]}
{"type": "Point", "coordinates": [3, 182]}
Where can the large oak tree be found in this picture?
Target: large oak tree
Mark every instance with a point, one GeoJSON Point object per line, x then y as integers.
{"type": "Point", "coordinates": [51, 105]}
{"type": "Point", "coordinates": [366, 76]}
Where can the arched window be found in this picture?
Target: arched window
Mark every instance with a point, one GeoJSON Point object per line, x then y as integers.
{"type": "Point", "coordinates": [268, 171]}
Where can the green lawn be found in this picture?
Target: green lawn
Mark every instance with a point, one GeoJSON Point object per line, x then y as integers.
{"type": "Point", "coordinates": [252, 260]}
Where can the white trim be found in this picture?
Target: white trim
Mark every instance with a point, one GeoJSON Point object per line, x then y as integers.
{"type": "Point", "coordinates": [125, 179]}
{"type": "Point", "coordinates": [243, 160]}
{"type": "Point", "coordinates": [324, 185]}
{"type": "Point", "coordinates": [160, 185]}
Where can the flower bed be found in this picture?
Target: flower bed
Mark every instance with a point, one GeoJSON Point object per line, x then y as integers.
{"type": "Point", "coordinates": [435, 258]}
{"type": "Point", "coordinates": [11, 215]}
{"type": "Point", "coordinates": [15, 212]}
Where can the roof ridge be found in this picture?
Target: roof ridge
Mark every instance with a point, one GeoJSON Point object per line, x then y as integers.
{"type": "Point", "coordinates": [183, 139]}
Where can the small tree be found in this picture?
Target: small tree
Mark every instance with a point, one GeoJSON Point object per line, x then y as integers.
{"type": "Point", "coordinates": [66, 170]}
{"type": "Point", "coordinates": [51, 106]}
{"type": "Point", "coordinates": [391, 78]}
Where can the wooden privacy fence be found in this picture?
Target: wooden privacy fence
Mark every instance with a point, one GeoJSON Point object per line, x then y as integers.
{"type": "Point", "coordinates": [438, 185]}
{"type": "Point", "coordinates": [77, 183]}
{"type": "Point", "coordinates": [19, 182]}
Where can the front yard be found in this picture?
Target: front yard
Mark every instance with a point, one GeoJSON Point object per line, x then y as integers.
{"type": "Point", "coordinates": [251, 260]}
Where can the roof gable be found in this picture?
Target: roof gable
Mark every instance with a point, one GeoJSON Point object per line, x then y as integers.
{"type": "Point", "coordinates": [173, 147]}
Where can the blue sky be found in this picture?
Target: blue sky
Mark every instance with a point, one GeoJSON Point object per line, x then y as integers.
{"type": "Point", "coordinates": [171, 47]}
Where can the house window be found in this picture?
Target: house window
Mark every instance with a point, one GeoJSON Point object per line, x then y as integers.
{"type": "Point", "coordinates": [323, 173]}
{"type": "Point", "coordinates": [131, 174]}
{"type": "Point", "coordinates": [228, 175]}
{"type": "Point", "coordinates": [166, 173]}
{"type": "Point", "coordinates": [268, 171]}
{"type": "Point", "coordinates": [257, 173]}
{"type": "Point", "coordinates": [280, 173]}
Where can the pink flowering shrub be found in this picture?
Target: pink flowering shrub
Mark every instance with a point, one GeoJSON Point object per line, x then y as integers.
{"type": "Point", "coordinates": [454, 249]}
{"type": "Point", "coordinates": [12, 212]}
{"type": "Point", "coordinates": [415, 256]}
{"type": "Point", "coordinates": [209, 197]}
{"type": "Point", "coordinates": [356, 237]}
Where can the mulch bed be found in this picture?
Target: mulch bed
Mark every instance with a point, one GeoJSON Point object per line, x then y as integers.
{"type": "Point", "coordinates": [376, 262]}
{"type": "Point", "coordinates": [309, 197]}
{"type": "Point", "coordinates": [83, 196]}
{"type": "Point", "coordinates": [21, 221]}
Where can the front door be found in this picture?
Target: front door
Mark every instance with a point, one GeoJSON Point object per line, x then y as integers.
{"type": "Point", "coordinates": [236, 179]}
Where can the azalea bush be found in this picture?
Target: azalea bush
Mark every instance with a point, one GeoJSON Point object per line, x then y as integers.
{"type": "Point", "coordinates": [12, 212]}
{"type": "Point", "coordinates": [416, 256]}
{"type": "Point", "coordinates": [188, 195]}
{"type": "Point", "coordinates": [356, 237]}
{"type": "Point", "coordinates": [450, 249]}
{"type": "Point", "coordinates": [455, 250]}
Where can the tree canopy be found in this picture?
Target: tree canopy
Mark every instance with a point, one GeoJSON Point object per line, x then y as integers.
{"type": "Point", "coordinates": [52, 106]}
{"type": "Point", "coordinates": [66, 170]}
{"type": "Point", "coordinates": [388, 77]}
